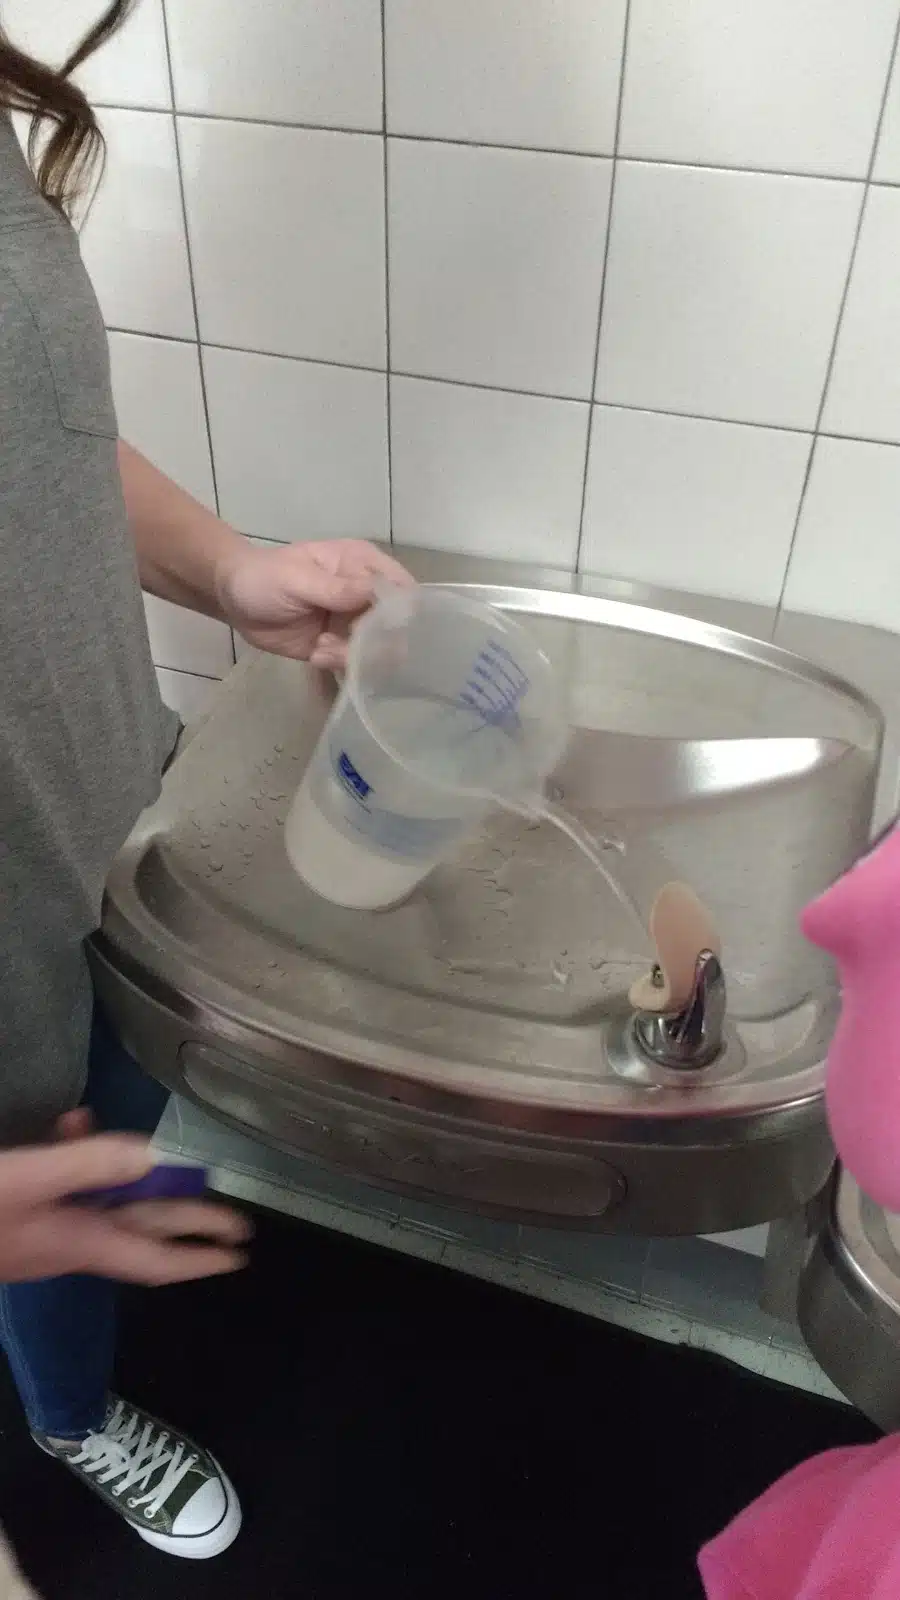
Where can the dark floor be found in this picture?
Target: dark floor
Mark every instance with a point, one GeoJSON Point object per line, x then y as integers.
{"type": "Point", "coordinates": [398, 1430]}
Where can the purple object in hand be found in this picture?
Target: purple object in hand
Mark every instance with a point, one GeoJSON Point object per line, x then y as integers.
{"type": "Point", "coordinates": [165, 1182]}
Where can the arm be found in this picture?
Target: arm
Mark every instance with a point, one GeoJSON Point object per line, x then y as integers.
{"type": "Point", "coordinates": [296, 600]}
{"type": "Point", "coordinates": [180, 545]}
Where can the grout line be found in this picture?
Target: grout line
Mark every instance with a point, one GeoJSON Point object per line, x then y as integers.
{"type": "Point", "coordinates": [603, 276]}
{"type": "Point", "coordinates": [857, 438]}
{"type": "Point", "coordinates": [163, 338]}
{"type": "Point", "coordinates": [241, 121]}
{"type": "Point", "coordinates": [187, 672]}
{"type": "Point", "coordinates": [492, 388]}
{"type": "Point", "coordinates": [190, 261]}
{"type": "Point", "coordinates": [387, 277]}
{"type": "Point", "coordinates": [496, 388]}
{"type": "Point", "coordinates": [854, 251]}
{"type": "Point", "coordinates": [779, 603]}
{"type": "Point", "coordinates": [632, 160]}
{"type": "Point", "coordinates": [483, 144]}
{"type": "Point", "coordinates": [254, 350]}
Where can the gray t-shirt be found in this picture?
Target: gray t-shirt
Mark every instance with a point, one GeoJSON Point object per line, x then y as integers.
{"type": "Point", "coordinates": [83, 732]}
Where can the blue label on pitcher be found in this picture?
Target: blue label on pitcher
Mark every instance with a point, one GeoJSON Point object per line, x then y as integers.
{"type": "Point", "coordinates": [391, 832]}
{"type": "Point", "coordinates": [354, 780]}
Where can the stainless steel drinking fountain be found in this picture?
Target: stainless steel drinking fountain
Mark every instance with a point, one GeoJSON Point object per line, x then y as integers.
{"type": "Point", "coordinates": [476, 1045]}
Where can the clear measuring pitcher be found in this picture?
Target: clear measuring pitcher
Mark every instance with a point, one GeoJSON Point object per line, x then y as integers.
{"type": "Point", "coordinates": [446, 705]}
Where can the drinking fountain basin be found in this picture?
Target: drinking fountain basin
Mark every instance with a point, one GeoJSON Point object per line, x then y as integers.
{"type": "Point", "coordinates": [476, 1044]}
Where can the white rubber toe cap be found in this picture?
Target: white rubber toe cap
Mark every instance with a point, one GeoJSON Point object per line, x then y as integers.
{"type": "Point", "coordinates": [207, 1525]}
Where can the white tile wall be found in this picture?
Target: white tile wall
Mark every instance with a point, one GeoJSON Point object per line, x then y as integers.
{"type": "Point", "coordinates": [190, 696]}
{"type": "Point", "coordinates": [315, 462]}
{"type": "Point", "coordinates": [723, 291]}
{"type": "Point", "coordinates": [707, 506]}
{"type": "Point", "coordinates": [187, 642]}
{"type": "Point", "coordinates": [295, 61]}
{"type": "Point", "coordinates": [541, 73]}
{"type": "Point", "coordinates": [287, 238]}
{"type": "Point", "coordinates": [847, 557]}
{"type": "Point", "coordinates": [173, 434]}
{"type": "Point", "coordinates": [159, 404]}
{"type": "Point", "coordinates": [487, 473]}
{"type": "Point", "coordinates": [864, 392]}
{"type": "Point", "coordinates": [695, 171]}
{"type": "Point", "coordinates": [757, 83]}
{"type": "Point", "coordinates": [887, 158]}
{"type": "Point", "coordinates": [132, 69]}
{"type": "Point", "coordinates": [496, 261]}
{"type": "Point", "coordinates": [133, 240]}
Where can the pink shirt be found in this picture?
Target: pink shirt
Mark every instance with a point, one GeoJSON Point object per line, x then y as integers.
{"type": "Point", "coordinates": [830, 1530]}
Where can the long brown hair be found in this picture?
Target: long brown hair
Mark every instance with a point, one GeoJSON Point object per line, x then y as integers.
{"type": "Point", "coordinates": [64, 161]}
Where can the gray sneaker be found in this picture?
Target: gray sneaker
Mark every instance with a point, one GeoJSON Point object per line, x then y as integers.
{"type": "Point", "coordinates": [171, 1492]}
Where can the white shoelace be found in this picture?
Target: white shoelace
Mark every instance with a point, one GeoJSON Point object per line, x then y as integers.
{"type": "Point", "coordinates": [134, 1452]}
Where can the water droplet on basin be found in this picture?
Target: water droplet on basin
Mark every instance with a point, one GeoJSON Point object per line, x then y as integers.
{"type": "Point", "coordinates": [215, 866]}
{"type": "Point", "coordinates": [204, 844]}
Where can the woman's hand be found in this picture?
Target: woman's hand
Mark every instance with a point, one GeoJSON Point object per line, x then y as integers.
{"type": "Point", "coordinates": [43, 1234]}
{"type": "Point", "coordinates": [300, 600]}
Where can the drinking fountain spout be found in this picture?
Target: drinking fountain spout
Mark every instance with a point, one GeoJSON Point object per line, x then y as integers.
{"type": "Point", "coordinates": [679, 1006]}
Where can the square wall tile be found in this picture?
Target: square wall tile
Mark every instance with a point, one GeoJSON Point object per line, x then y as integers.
{"type": "Point", "coordinates": [864, 391]}
{"type": "Point", "coordinates": [846, 560]}
{"type": "Point", "coordinates": [757, 83]}
{"type": "Point", "coordinates": [159, 404]}
{"type": "Point", "coordinates": [186, 641]}
{"type": "Point", "coordinates": [287, 234]}
{"type": "Point", "coordinates": [887, 156]}
{"type": "Point", "coordinates": [496, 265]}
{"type": "Point", "coordinates": [293, 61]}
{"type": "Point", "coordinates": [704, 506]}
{"type": "Point", "coordinates": [191, 697]}
{"type": "Point", "coordinates": [542, 73]}
{"type": "Point", "coordinates": [133, 241]}
{"type": "Point", "coordinates": [300, 449]}
{"type": "Point", "coordinates": [723, 291]}
{"type": "Point", "coordinates": [131, 69]}
{"type": "Point", "coordinates": [487, 474]}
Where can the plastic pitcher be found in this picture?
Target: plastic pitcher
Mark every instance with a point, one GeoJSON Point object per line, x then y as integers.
{"type": "Point", "coordinates": [446, 705]}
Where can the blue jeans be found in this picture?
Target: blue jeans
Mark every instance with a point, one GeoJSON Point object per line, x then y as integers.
{"type": "Point", "coordinates": [59, 1334]}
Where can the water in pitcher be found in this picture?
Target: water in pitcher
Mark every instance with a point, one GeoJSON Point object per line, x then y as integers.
{"type": "Point", "coordinates": [360, 834]}
{"type": "Point", "coordinates": [333, 833]}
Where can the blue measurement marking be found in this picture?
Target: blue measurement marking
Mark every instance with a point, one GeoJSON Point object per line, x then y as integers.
{"type": "Point", "coordinates": [495, 685]}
